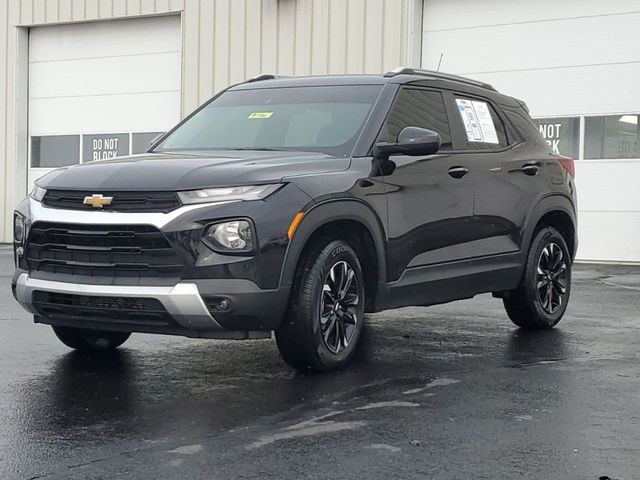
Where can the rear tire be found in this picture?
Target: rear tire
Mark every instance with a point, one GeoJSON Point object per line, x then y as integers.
{"type": "Point", "coordinates": [321, 329]}
{"type": "Point", "coordinates": [541, 299]}
{"type": "Point", "coordinates": [86, 340]}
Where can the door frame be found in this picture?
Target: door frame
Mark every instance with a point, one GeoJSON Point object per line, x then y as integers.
{"type": "Point", "coordinates": [414, 24]}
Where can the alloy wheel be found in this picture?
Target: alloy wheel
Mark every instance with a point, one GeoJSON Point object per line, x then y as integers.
{"type": "Point", "coordinates": [551, 278]}
{"type": "Point", "coordinates": [339, 307]}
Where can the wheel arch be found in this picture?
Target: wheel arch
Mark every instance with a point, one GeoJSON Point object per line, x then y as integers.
{"type": "Point", "coordinates": [555, 211]}
{"type": "Point", "coordinates": [351, 220]}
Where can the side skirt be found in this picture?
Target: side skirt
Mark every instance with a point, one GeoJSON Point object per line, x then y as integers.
{"type": "Point", "coordinates": [434, 284]}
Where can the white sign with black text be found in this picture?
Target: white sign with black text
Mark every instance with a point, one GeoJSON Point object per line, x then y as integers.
{"type": "Point", "coordinates": [104, 146]}
{"type": "Point", "coordinates": [477, 121]}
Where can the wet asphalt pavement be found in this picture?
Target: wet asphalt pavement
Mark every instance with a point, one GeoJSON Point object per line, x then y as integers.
{"type": "Point", "coordinates": [447, 392]}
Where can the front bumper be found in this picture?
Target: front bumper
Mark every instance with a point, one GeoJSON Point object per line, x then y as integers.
{"type": "Point", "coordinates": [255, 298]}
{"type": "Point", "coordinates": [252, 312]}
{"type": "Point", "coordinates": [182, 302]}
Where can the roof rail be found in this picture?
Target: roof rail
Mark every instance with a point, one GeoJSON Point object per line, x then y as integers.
{"type": "Point", "coordinates": [266, 76]}
{"type": "Point", "coordinates": [434, 74]}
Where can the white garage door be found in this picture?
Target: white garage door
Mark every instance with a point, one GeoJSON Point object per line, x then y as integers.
{"type": "Point", "coordinates": [576, 65]}
{"type": "Point", "coordinates": [100, 90]}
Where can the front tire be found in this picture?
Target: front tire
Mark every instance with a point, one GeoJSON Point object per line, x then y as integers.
{"type": "Point", "coordinates": [541, 299]}
{"type": "Point", "coordinates": [323, 323]}
{"type": "Point", "coordinates": [86, 340]}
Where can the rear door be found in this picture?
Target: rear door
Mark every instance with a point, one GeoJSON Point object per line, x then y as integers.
{"type": "Point", "coordinates": [507, 179]}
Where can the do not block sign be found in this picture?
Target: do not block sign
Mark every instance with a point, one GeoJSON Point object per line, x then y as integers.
{"type": "Point", "coordinates": [103, 146]}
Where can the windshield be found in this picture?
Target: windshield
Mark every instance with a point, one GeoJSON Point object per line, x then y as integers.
{"type": "Point", "coordinates": [316, 119]}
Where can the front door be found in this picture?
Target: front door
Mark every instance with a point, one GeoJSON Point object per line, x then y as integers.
{"type": "Point", "coordinates": [430, 199]}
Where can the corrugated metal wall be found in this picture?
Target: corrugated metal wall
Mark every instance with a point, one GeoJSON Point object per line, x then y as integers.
{"type": "Point", "coordinates": [227, 41]}
{"type": "Point", "coordinates": [224, 41]}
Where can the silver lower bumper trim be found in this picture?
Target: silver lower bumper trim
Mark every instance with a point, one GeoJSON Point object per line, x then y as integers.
{"type": "Point", "coordinates": [182, 301]}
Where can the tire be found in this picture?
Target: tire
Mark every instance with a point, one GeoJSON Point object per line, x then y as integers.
{"type": "Point", "coordinates": [542, 297]}
{"type": "Point", "coordinates": [86, 340]}
{"type": "Point", "coordinates": [323, 324]}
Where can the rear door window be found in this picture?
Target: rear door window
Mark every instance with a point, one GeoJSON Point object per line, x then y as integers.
{"type": "Point", "coordinates": [482, 128]}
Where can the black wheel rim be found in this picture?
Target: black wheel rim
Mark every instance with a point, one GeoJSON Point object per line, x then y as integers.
{"type": "Point", "coordinates": [339, 306]}
{"type": "Point", "coordinates": [551, 278]}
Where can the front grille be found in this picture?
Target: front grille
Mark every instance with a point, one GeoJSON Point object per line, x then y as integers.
{"type": "Point", "coordinates": [122, 201]}
{"type": "Point", "coordinates": [114, 251]}
{"type": "Point", "coordinates": [138, 311]}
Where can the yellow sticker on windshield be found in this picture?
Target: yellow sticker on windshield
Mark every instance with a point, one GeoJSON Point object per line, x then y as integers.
{"type": "Point", "coordinates": [257, 115]}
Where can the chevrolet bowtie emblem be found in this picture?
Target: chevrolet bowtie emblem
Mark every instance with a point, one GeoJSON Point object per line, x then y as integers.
{"type": "Point", "coordinates": [97, 200]}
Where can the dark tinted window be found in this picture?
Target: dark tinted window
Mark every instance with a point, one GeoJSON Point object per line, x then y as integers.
{"type": "Point", "coordinates": [55, 151]}
{"type": "Point", "coordinates": [483, 128]}
{"type": "Point", "coordinates": [417, 108]}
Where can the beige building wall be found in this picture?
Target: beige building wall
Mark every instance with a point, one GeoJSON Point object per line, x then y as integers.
{"type": "Point", "coordinates": [223, 42]}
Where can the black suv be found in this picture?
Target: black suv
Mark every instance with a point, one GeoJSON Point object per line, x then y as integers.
{"type": "Point", "coordinates": [296, 205]}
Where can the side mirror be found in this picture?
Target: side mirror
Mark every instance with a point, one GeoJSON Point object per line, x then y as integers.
{"type": "Point", "coordinates": [412, 141]}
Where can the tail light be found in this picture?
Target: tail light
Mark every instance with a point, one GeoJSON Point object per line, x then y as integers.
{"type": "Point", "coordinates": [569, 165]}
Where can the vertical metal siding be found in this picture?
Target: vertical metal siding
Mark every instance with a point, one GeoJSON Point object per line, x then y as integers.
{"type": "Point", "coordinates": [228, 41]}
{"type": "Point", "coordinates": [5, 220]}
{"type": "Point", "coordinates": [223, 42]}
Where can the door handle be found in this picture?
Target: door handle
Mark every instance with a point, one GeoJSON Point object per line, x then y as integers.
{"type": "Point", "coordinates": [458, 172]}
{"type": "Point", "coordinates": [531, 169]}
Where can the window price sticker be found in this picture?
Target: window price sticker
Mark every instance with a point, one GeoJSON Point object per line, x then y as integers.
{"type": "Point", "coordinates": [477, 121]}
{"type": "Point", "coordinates": [260, 115]}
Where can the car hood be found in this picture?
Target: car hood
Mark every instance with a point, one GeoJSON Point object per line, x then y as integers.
{"type": "Point", "coordinates": [164, 171]}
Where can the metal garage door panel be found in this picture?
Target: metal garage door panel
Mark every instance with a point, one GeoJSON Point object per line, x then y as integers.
{"type": "Point", "coordinates": [448, 14]}
{"type": "Point", "coordinates": [106, 76]}
{"type": "Point", "coordinates": [557, 64]}
{"type": "Point", "coordinates": [610, 236]}
{"type": "Point", "coordinates": [105, 39]}
{"type": "Point", "coordinates": [532, 45]}
{"type": "Point", "coordinates": [571, 91]}
{"type": "Point", "coordinates": [101, 82]}
{"type": "Point", "coordinates": [109, 113]}
{"type": "Point", "coordinates": [603, 187]}
{"type": "Point", "coordinates": [609, 216]}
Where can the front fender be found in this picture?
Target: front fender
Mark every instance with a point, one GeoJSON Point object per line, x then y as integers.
{"type": "Point", "coordinates": [324, 213]}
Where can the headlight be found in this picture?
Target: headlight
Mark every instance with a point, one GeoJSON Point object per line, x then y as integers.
{"type": "Point", "coordinates": [227, 194]}
{"type": "Point", "coordinates": [18, 228]}
{"type": "Point", "coordinates": [38, 193]}
{"type": "Point", "coordinates": [233, 236]}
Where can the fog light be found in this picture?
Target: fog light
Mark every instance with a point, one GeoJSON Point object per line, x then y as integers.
{"type": "Point", "coordinates": [233, 236]}
{"type": "Point", "coordinates": [18, 228]}
{"type": "Point", "coordinates": [217, 304]}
